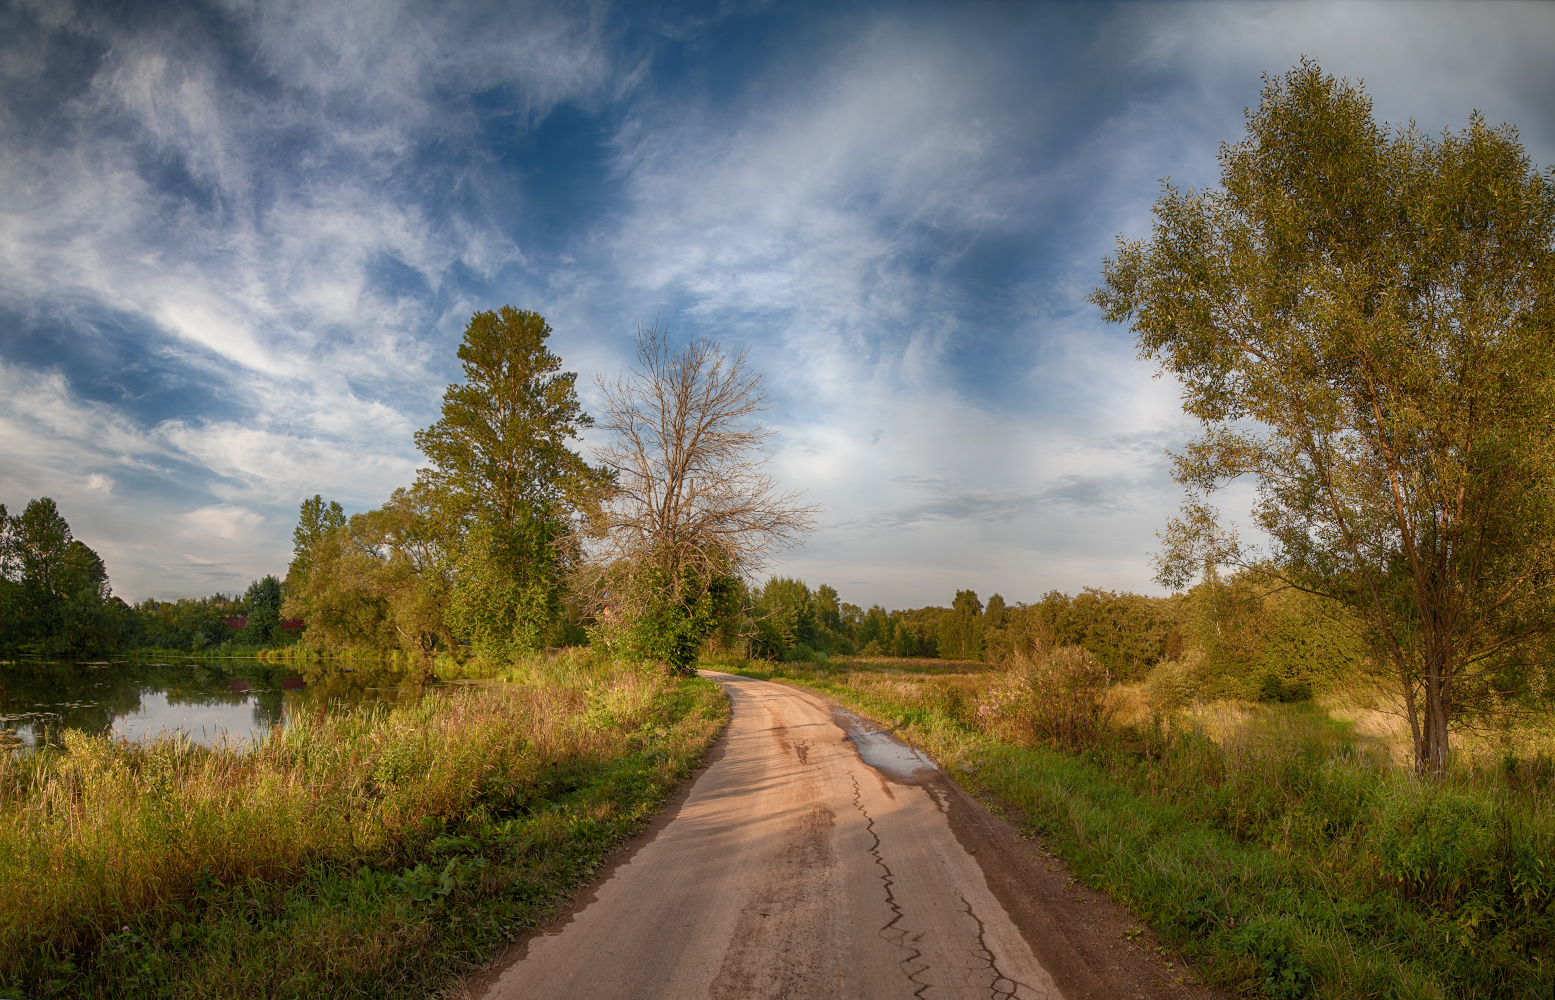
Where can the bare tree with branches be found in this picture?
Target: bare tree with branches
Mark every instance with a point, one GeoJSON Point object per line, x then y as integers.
{"type": "Point", "coordinates": [693, 502]}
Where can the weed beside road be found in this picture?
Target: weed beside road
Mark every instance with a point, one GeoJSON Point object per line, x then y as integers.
{"type": "Point", "coordinates": [373, 851]}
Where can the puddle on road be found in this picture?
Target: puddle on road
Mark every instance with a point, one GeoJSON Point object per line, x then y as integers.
{"type": "Point", "coordinates": [881, 750]}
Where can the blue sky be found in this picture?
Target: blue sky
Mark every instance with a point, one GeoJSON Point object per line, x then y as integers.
{"type": "Point", "coordinates": [239, 242]}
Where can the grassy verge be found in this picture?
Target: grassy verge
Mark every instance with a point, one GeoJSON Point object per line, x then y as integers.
{"type": "Point", "coordinates": [283, 651]}
{"type": "Point", "coordinates": [1286, 863]}
{"type": "Point", "coordinates": [370, 852]}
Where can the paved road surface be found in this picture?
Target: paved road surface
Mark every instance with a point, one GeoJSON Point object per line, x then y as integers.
{"type": "Point", "coordinates": [793, 869]}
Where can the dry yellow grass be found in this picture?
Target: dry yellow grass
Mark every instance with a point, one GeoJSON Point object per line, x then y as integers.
{"type": "Point", "coordinates": [105, 829]}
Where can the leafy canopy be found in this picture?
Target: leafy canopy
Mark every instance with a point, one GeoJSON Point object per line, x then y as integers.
{"type": "Point", "coordinates": [500, 448]}
{"type": "Point", "coordinates": [1364, 321]}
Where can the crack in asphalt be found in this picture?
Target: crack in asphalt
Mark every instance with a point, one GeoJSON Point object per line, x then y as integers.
{"type": "Point", "coordinates": [892, 933]}
{"type": "Point", "coordinates": [994, 989]}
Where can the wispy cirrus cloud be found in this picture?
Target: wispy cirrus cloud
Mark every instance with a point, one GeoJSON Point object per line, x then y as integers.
{"type": "Point", "coordinates": [238, 243]}
{"type": "Point", "coordinates": [1082, 495]}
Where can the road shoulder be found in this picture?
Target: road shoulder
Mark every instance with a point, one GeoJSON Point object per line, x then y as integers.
{"type": "Point", "coordinates": [1093, 946]}
{"type": "Point", "coordinates": [478, 982]}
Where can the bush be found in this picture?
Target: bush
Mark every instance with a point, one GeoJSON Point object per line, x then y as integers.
{"type": "Point", "coordinates": [1058, 697]}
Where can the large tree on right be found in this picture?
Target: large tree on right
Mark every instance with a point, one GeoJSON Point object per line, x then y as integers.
{"type": "Point", "coordinates": [1364, 321]}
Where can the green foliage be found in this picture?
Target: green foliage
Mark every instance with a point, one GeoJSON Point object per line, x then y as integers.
{"type": "Point", "coordinates": [188, 624]}
{"type": "Point", "coordinates": [673, 624]}
{"type": "Point", "coordinates": [876, 632]}
{"type": "Point", "coordinates": [960, 633]}
{"type": "Point", "coordinates": [379, 582]}
{"type": "Point", "coordinates": [55, 599]}
{"type": "Point", "coordinates": [316, 522]}
{"type": "Point", "coordinates": [478, 549]}
{"type": "Point", "coordinates": [502, 615]}
{"type": "Point", "coordinates": [1125, 632]}
{"type": "Point", "coordinates": [1244, 636]}
{"type": "Point", "coordinates": [499, 451]}
{"type": "Point", "coordinates": [1258, 640]}
{"type": "Point", "coordinates": [493, 516]}
{"type": "Point", "coordinates": [994, 616]}
{"type": "Point", "coordinates": [262, 602]}
{"type": "Point", "coordinates": [785, 614]}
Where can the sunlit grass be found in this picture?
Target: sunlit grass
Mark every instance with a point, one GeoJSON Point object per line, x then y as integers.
{"type": "Point", "coordinates": [115, 853]}
{"type": "Point", "coordinates": [1289, 847]}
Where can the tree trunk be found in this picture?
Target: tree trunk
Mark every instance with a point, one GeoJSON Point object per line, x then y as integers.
{"type": "Point", "coordinates": [1431, 749]}
{"type": "Point", "coordinates": [1406, 685]}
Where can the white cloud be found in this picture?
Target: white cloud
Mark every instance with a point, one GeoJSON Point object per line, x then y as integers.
{"type": "Point", "coordinates": [280, 468]}
{"type": "Point", "coordinates": [829, 212]}
{"type": "Point", "coordinates": [823, 227]}
{"type": "Point", "coordinates": [824, 221]}
{"type": "Point", "coordinates": [162, 196]}
{"type": "Point", "coordinates": [223, 521]}
{"type": "Point", "coordinates": [143, 496]}
{"type": "Point", "coordinates": [261, 270]}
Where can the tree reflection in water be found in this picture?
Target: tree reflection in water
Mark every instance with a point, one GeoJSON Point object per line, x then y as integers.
{"type": "Point", "coordinates": [39, 700]}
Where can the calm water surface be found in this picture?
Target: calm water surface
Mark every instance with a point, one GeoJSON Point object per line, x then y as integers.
{"type": "Point", "coordinates": [232, 699]}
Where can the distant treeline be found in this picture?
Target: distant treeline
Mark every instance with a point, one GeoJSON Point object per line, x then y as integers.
{"type": "Point", "coordinates": [56, 601]}
{"type": "Point", "coordinates": [1227, 637]}
{"type": "Point", "coordinates": [1241, 636]}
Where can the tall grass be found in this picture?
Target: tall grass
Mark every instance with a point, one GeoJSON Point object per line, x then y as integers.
{"type": "Point", "coordinates": [435, 828]}
{"type": "Point", "coordinates": [1289, 856]}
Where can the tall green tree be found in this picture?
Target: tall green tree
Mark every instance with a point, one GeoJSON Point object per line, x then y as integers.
{"type": "Point", "coordinates": [834, 626]}
{"type": "Point", "coordinates": [876, 635]}
{"type": "Point", "coordinates": [40, 539]}
{"type": "Point", "coordinates": [828, 608]}
{"type": "Point", "coordinates": [262, 602]}
{"type": "Point", "coordinates": [500, 448]}
{"type": "Point", "coordinates": [60, 602]}
{"type": "Point", "coordinates": [1364, 321]}
{"type": "Point", "coordinates": [313, 543]}
{"type": "Point", "coordinates": [316, 521]}
{"type": "Point", "coordinates": [511, 488]}
{"type": "Point", "coordinates": [961, 631]}
{"type": "Point", "coordinates": [10, 585]}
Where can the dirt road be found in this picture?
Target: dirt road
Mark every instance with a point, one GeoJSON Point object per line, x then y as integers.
{"type": "Point", "coordinates": [818, 857]}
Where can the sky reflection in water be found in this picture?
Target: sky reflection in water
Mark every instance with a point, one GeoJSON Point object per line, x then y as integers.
{"type": "Point", "coordinates": [137, 701]}
{"type": "Point", "coordinates": [203, 721]}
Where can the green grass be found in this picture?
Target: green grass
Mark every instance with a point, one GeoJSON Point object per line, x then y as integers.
{"type": "Point", "coordinates": [371, 852]}
{"type": "Point", "coordinates": [1286, 861]}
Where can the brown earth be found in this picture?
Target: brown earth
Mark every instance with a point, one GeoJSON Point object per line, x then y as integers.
{"type": "Point", "coordinates": [816, 856]}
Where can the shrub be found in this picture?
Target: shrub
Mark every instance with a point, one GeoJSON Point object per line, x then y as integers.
{"type": "Point", "coordinates": [1058, 697]}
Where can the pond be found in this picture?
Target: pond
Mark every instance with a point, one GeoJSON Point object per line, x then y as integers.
{"type": "Point", "coordinates": [234, 699]}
